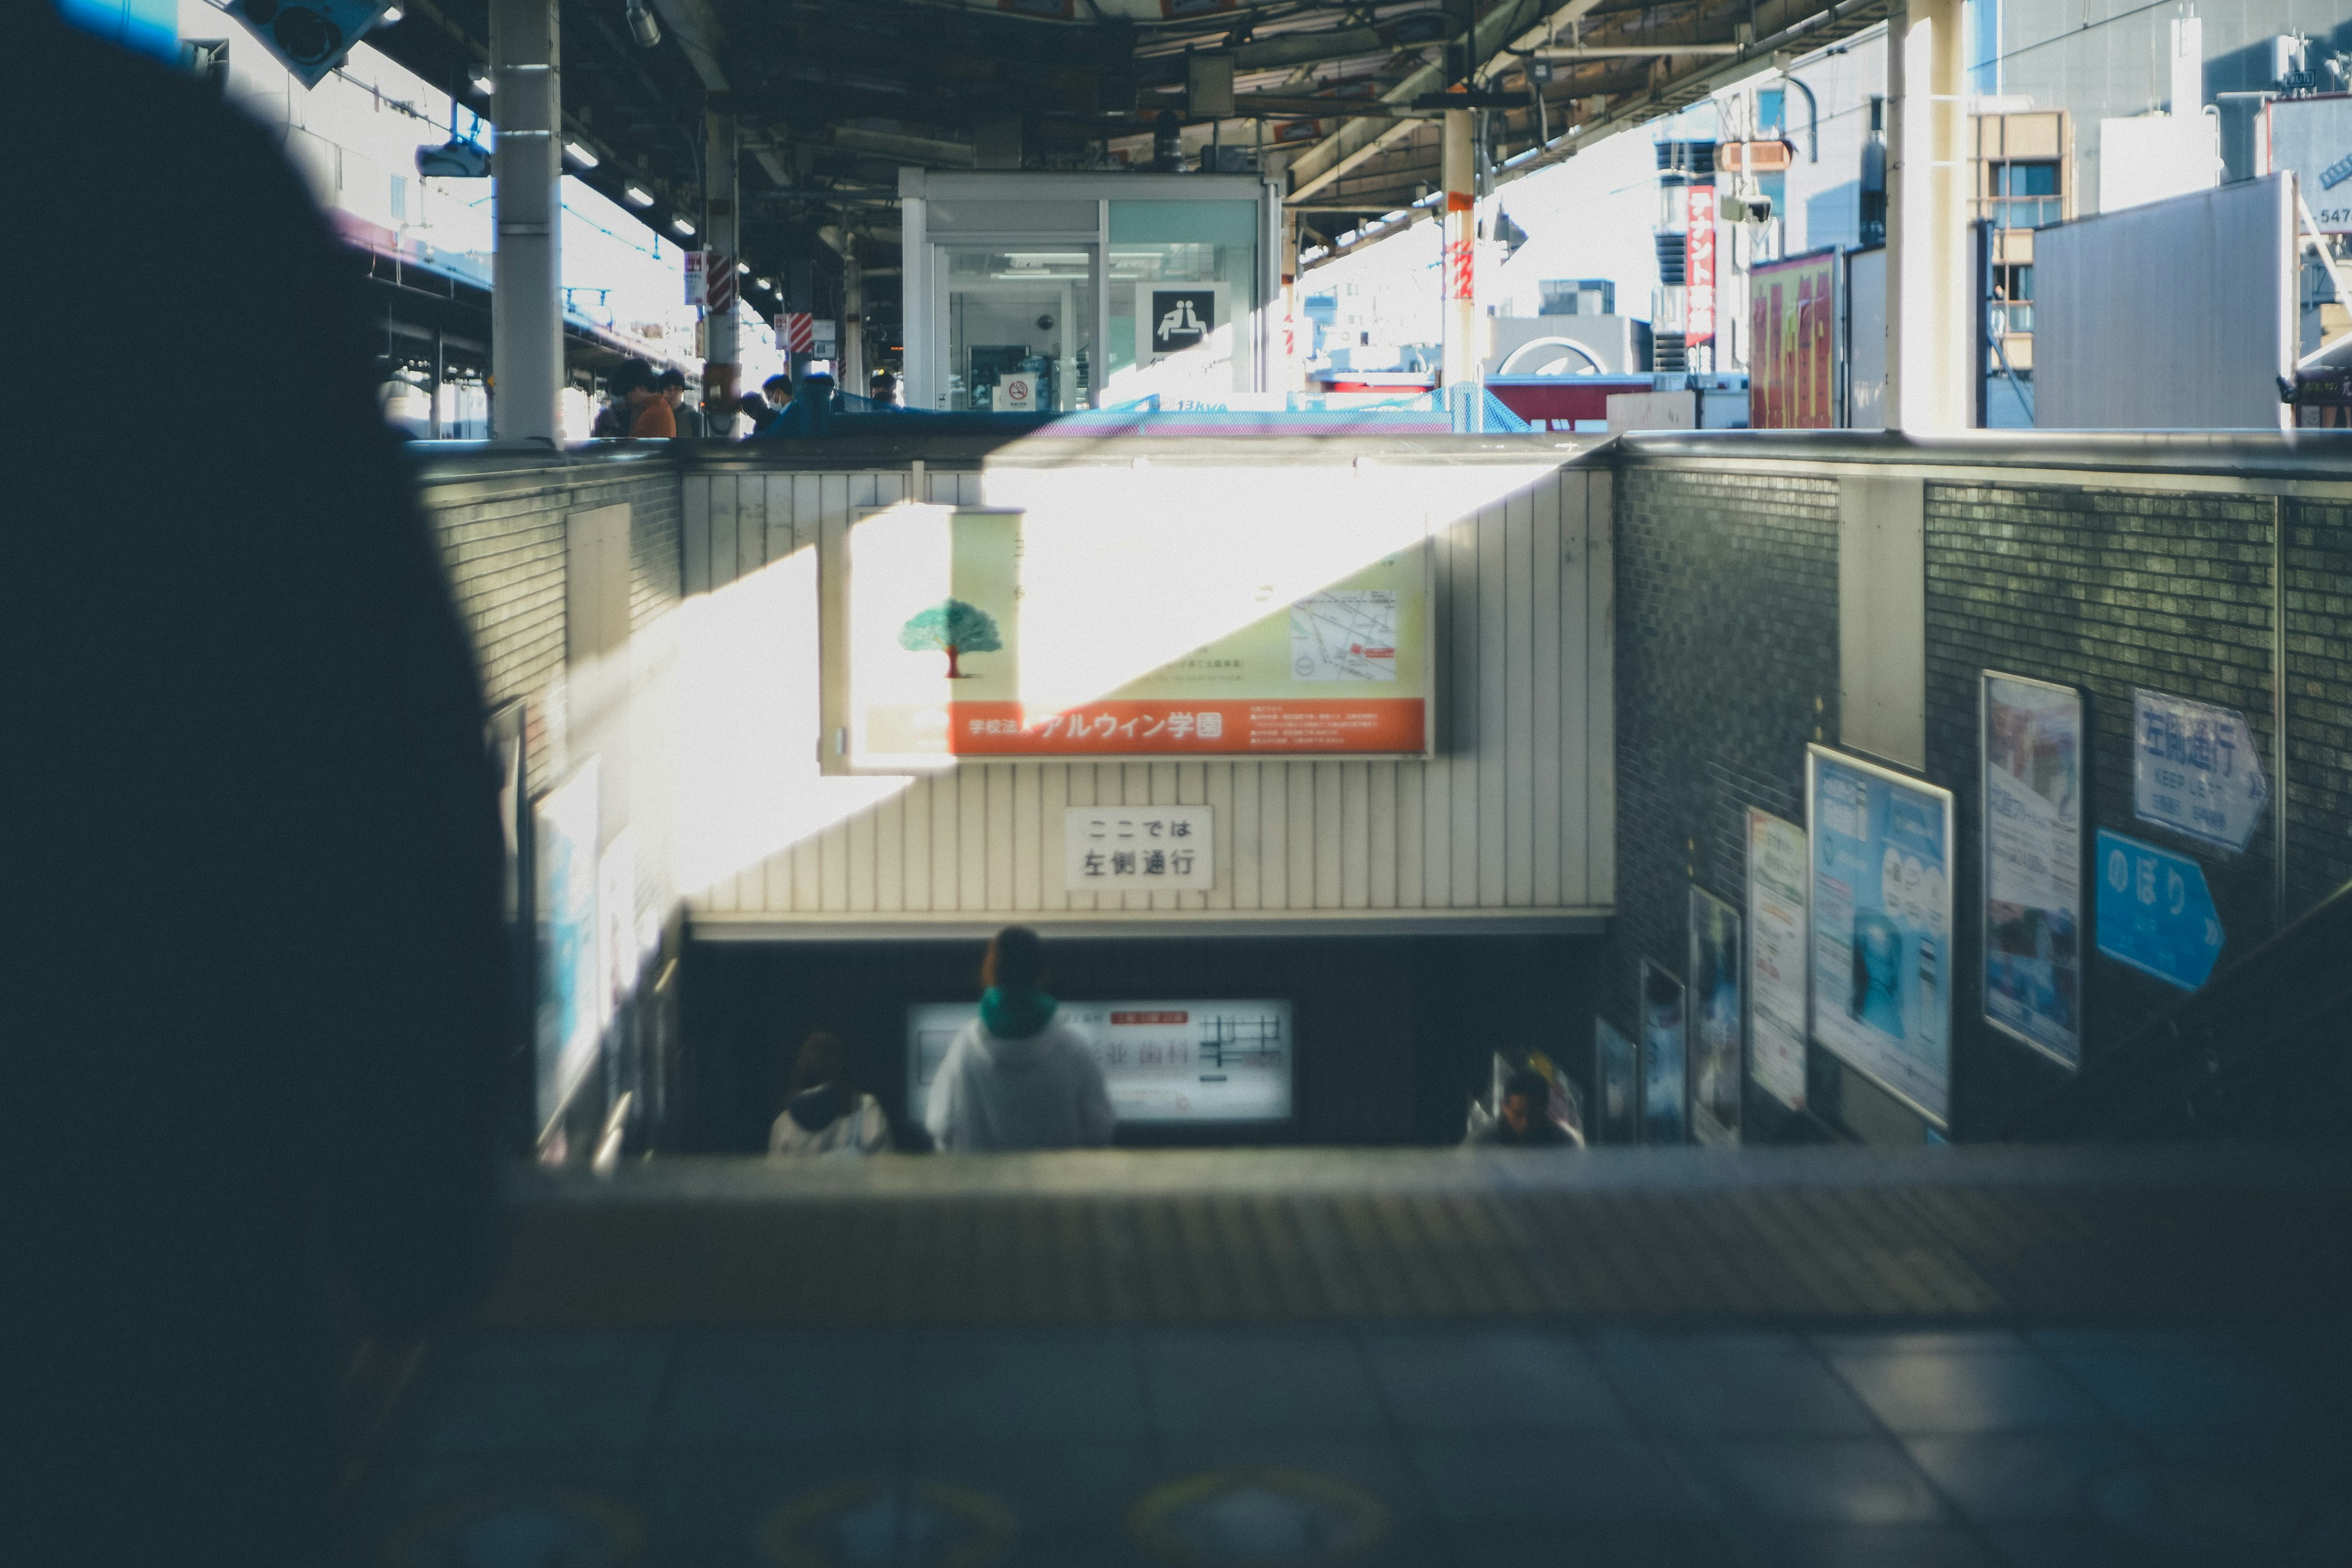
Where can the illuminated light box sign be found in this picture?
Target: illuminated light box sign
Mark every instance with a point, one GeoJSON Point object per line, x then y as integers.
{"type": "Point", "coordinates": [979, 633]}
{"type": "Point", "coordinates": [1165, 1062]}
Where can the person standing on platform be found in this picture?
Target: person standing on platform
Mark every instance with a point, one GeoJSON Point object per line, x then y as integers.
{"type": "Point", "coordinates": [650, 418]}
{"type": "Point", "coordinates": [822, 1115]}
{"type": "Point", "coordinates": [684, 421]}
{"type": "Point", "coordinates": [1524, 1119]}
{"type": "Point", "coordinates": [267, 1092]}
{"type": "Point", "coordinates": [1017, 1076]}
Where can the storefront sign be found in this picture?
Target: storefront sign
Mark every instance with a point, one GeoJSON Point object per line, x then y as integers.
{"type": "Point", "coordinates": [1699, 253]}
{"type": "Point", "coordinates": [1776, 957]}
{"type": "Point", "coordinates": [2195, 769]}
{"type": "Point", "coordinates": [956, 619]}
{"type": "Point", "coordinates": [1163, 1061]}
{"type": "Point", "coordinates": [2031, 732]}
{"type": "Point", "coordinates": [1718, 1084]}
{"type": "Point", "coordinates": [1664, 1057]}
{"type": "Point", "coordinates": [2156, 913]}
{"type": "Point", "coordinates": [1792, 352]}
{"type": "Point", "coordinates": [1137, 848]}
{"type": "Point", "coordinates": [1882, 920]}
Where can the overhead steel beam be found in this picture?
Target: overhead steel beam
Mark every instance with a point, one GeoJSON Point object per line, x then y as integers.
{"type": "Point", "coordinates": [1630, 51]}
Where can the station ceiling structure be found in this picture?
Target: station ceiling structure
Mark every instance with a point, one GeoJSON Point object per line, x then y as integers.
{"type": "Point", "coordinates": [833, 96]}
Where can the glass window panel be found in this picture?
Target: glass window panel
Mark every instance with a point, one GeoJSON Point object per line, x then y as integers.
{"type": "Point", "coordinates": [1183, 298]}
{"type": "Point", "coordinates": [1020, 327]}
{"type": "Point", "coordinates": [965, 214]}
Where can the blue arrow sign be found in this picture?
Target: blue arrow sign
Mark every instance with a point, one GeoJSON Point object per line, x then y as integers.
{"type": "Point", "coordinates": [2155, 913]}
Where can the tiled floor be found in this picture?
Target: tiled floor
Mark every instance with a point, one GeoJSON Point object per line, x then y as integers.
{"type": "Point", "coordinates": [1473, 1444]}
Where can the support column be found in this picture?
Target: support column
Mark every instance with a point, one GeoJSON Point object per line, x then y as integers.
{"type": "Point", "coordinates": [527, 287]}
{"type": "Point", "coordinates": [722, 365]}
{"type": "Point", "coordinates": [1930, 337]}
{"type": "Point", "coordinates": [852, 317]}
{"type": "Point", "coordinates": [1460, 365]}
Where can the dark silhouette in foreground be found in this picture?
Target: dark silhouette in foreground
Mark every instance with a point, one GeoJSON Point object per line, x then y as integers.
{"type": "Point", "coordinates": [253, 960]}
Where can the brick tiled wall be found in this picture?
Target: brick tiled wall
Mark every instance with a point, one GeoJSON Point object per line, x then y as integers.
{"type": "Point", "coordinates": [1728, 637]}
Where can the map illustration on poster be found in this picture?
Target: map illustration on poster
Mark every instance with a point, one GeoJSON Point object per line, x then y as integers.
{"type": "Point", "coordinates": [1882, 919]}
{"type": "Point", "coordinates": [957, 620]}
{"type": "Point", "coordinates": [1776, 957]}
{"type": "Point", "coordinates": [571, 1018]}
{"type": "Point", "coordinates": [1615, 1085]}
{"type": "Point", "coordinates": [1717, 1082]}
{"type": "Point", "coordinates": [1664, 1078]}
{"type": "Point", "coordinates": [1186, 1061]}
{"type": "Point", "coordinates": [2033, 738]}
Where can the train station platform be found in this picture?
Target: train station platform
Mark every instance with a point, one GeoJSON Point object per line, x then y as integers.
{"type": "Point", "coordinates": [2020, 1355]}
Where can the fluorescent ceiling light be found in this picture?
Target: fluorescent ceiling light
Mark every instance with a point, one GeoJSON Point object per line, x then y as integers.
{"type": "Point", "coordinates": [636, 195]}
{"type": "Point", "coordinates": [485, 86]}
{"type": "Point", "coordinates": [390, 14]}
{"type": "Point", "coordinates": [682, 226]}
{"type": "Point", "coordinates": [744, 268]}
{"type": "Point", "coordinates": [767, 283]}
{"type": "Point", "coordinates": [580, 156]}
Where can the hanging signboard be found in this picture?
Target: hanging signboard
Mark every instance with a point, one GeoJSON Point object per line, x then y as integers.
{"type": "Point", "coordinates": [1880, 899]}
{"type": "Point", "coordinates": [310, 37]}
{"type": "Point", "coordinates": [2195, 769]}
{"type": "Point", "coordinates": [1183, 1061]}
{"type": "Point", "coordinates": [1616, 1085]}
{"type": "Point", "coordinates": [1699, 253]}
{"type": "Point", "coordinates": [1717, 1082]}
{"type": "Point", "coordinates": [2156, 913]}
{"type": "Point", "coordinates": [957, 616]}
{"type": "Point", "coordinates": [1664, 1057]}
{"type": "Point", "coordinates": [2031, 732]}
{"type": "Point", "coordinates": [1776, 957]}
{"type": "Point", "coordinates": [1793, 319]}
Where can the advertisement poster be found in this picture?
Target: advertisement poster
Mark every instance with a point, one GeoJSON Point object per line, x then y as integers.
{"type": "Point", "coordinates": [957, 623]}
{"type": "Point", "coordinates": [570, 1015]}
{"type": "Point", "coordinates": [1776, 957]}
{"type": "Point", "coordinates": [1165, 1062]}
{"type": "Point", "coordinates": [1792, 356]}
{"type": "Point", "coordinates": [1614, 1084]}
{"type": "Point", "coordinates": [1663, 1083]}
{"type": "Point", "coordinates": [2033, 735]}
{"type": "Point", "coordinates": [1882, 915]}
{"type": "Point", "coordinates": [1716, 1080]}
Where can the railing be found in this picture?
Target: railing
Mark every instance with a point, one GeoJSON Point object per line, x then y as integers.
{"type": "Point", "coordinates": [2262, 1051]}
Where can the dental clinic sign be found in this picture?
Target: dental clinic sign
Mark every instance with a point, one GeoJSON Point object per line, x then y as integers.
{"type": "Point", "coordinates": [2195, 769]}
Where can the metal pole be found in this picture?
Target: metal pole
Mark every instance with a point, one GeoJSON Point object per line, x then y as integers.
{"type": "Point", "coordinates": [527, 292]}
{"type": "Point", "coordinates": [2278, 712]}
{"type": "Point", "coordinates": [722, 365]}
{"type": "Point", "coordinates": [1928, 315]}
{"type": "Point", "coordinates": [852, 317]}
{"type": "Point", "coordinates": [440, 374]}
{"type": "Point", "coordinates": [1456, 165]}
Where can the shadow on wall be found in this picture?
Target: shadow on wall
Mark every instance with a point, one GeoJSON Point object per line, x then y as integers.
{"type": "Point", "coordinates": [1394, 1033]}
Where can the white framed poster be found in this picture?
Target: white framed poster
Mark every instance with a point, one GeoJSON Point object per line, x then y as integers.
{"type": "Point", "coordinates": [1776, 957]}
{"type": "Point", "coordinates": [1716, 1080]}
{"type": "Point", "coordinates": [1616, 1085]}
{"type": "Point", "coordinates": [2033, 736]}
{"type": "Point", "coordinates": [1880, 899]}
{"type": "Point", "coordinates": [1664, 1057]}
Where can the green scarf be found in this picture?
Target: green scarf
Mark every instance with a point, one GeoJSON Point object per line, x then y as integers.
{"type": "Point", "coordinates": [1015, 1014]}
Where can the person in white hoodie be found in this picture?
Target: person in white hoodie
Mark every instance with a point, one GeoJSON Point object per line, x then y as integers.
{"type": "Point", "coordinates": [1017, 1076]}
{"type": "Point", "coordinates": [823, 1115]}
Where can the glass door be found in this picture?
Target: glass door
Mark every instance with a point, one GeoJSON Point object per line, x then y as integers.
{"type": "Point", "coordinates": [1019, 326]}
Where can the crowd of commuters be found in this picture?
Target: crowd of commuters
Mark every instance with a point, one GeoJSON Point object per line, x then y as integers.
{"type": "Point", "coordinates": [643, 403]}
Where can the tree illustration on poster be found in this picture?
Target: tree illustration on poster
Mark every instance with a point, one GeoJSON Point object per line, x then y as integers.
{"type": "Point", "coordinates": [951, 628]}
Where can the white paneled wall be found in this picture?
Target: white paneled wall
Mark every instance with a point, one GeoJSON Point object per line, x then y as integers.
{"type": "Point", "coordinates": [1512, 819]}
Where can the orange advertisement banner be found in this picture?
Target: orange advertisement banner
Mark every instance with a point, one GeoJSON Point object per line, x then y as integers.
{"type": "Point", "coordinates": [1193, 727]}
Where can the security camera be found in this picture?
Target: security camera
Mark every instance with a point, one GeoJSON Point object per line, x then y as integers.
{"type": "Point", "coordinates": [456, 159]}
{"type": "Point", "coordinates": [644, 26]}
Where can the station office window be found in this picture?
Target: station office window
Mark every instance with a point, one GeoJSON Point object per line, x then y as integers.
{"type": "Point", "coordinates": [1183, 298]}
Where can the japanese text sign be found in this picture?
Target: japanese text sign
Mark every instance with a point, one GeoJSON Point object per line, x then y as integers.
{"type": "Point", "coordinates": [1137, 848]}
{"type": "Point", "coordinates": [2195, 769]}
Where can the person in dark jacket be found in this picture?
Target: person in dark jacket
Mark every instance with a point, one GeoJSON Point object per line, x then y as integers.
{"type": "Point", "coordinates": [253, 944]}
{"type": "Point", "coordinates": [1524, 1119]}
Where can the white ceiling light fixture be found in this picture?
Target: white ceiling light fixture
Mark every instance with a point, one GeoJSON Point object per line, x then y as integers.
{"type": "Point", "coordinates": [484, 85]}
{"type": "Point", "coordinates": [682, 226]}
{"type": "Point", "coordinates": [636, 195]}
{"type": "Point", "coordinates": [580, 156]}
{"type": "Point", "coordinates": [743, 269]}
{"type": "Point", "coordinates": [390, 14]}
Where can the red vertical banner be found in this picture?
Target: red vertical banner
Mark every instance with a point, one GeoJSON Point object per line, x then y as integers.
{"type": "Point", "coordinates": [1699, 210]}
{"type": "Point", "coordinates": [1461, 246]}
